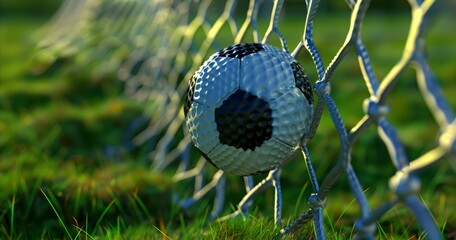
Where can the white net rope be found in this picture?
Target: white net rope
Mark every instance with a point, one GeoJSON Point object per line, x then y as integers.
{"type": "Point", "coordinates": [155, 46]}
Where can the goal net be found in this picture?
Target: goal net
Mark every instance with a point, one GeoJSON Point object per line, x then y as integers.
{"type": "Point", "coordinates": [155, 46]}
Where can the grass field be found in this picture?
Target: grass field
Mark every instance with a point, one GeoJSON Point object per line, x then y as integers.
{"type": "Point", "coordinates": [56, 181]}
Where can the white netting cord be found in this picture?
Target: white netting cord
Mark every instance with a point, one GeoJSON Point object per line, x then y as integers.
{"type": "Point", "coordinates": [405, 186]}
{"type": "Point", "coordinates": [154, 57]}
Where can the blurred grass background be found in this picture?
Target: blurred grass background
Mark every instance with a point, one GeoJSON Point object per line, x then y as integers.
{"type": "Point", "coordinates": [56, 180]}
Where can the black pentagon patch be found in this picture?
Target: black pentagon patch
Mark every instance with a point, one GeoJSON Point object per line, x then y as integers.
{"type": "Point", "coordinates": [240, 50]}
{"type": "Point", "coordinates": [244, 121]}
{"type": "Point", "coordinates": [190, 92]}
{"type": "Point", "coordinates": [301, 81]}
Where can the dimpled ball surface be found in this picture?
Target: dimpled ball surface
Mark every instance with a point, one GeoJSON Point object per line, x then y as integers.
{"type": "Point", "coordinates": [247, 108]}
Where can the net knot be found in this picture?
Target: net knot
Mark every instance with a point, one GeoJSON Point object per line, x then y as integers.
{"type": "Point", "coordinates": [322, 88]}
{"type": "Point", "coordinates": [373, 109]}
{"type": "Point", "coordinates": [315, 202]}
{"type": "Point", "coordinates": [404, 184]}
{"type": "Point", "coordinates": [365, 230]}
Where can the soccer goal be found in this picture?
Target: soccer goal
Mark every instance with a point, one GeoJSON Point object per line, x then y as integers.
{"type": "Point", "coordinates": [157, 46]}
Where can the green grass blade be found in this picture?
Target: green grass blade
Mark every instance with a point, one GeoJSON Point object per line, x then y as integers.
{"type": "Point", "coordinates": [105, 211]}
{"type": "Point", "coordinates": [29, 204]}
{"type": "Point", "coordinates": [330, 222]}
{"type": "Point", "coordinates": [142, 205]}
{"type": "Point", "coordinates": [118, 226]}
{"type": "Point", "coordinates": [12, 216]}
{"type": "Point", "coordinates": [298, 201]}
{"type": "Point", "coordinates": [162, 233]}
{"type": "Point", "coordinates": [56, 213]}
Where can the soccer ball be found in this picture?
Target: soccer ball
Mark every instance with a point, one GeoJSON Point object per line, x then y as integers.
{"type": "Point", "coordinates": [247, 108]}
